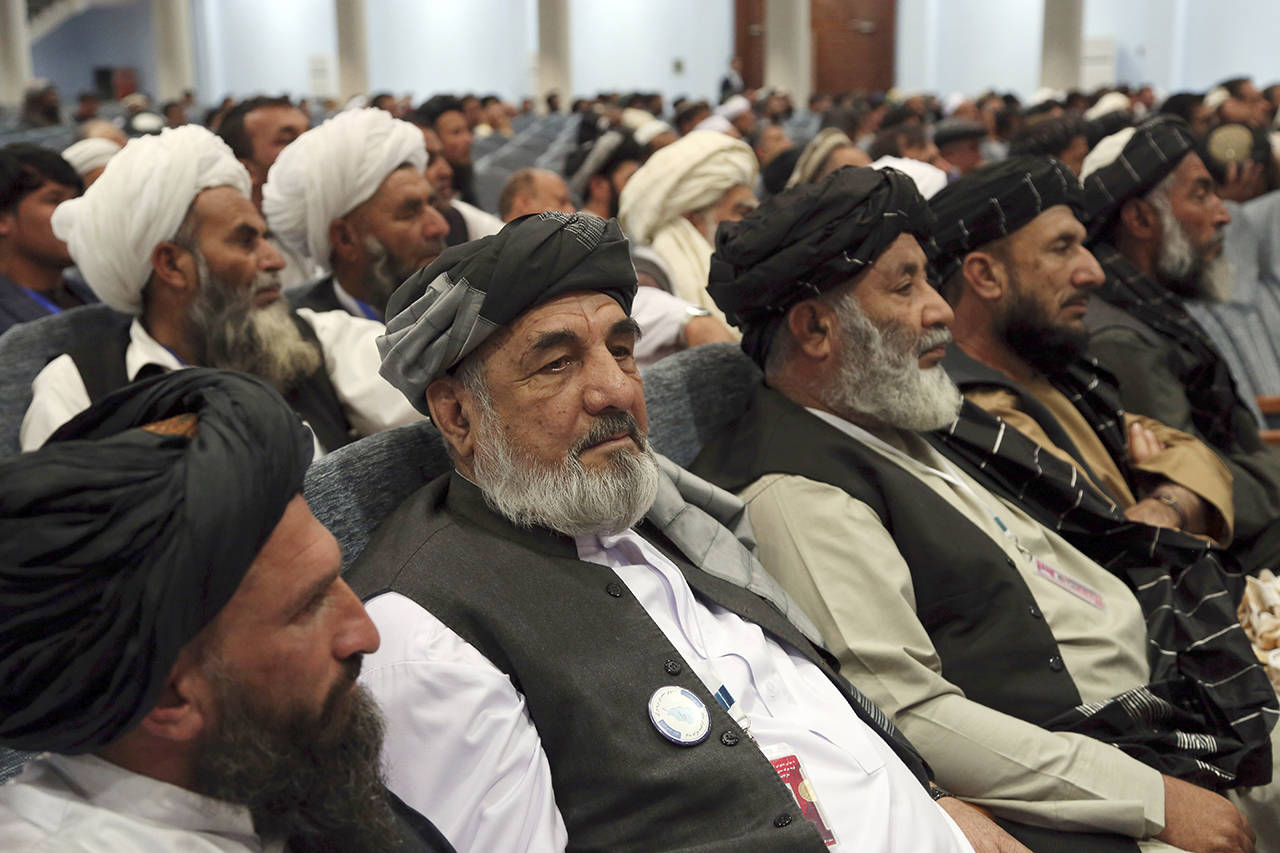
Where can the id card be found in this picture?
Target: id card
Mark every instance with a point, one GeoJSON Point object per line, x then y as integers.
{"type": "Point", "coordinates": [1071, 585]}
{"type": "Point", "coordinates": [787, 765]}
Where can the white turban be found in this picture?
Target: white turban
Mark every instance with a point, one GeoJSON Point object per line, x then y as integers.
{"type": "Point", "coordinates": [328, 171]}
{"type": "Point", "coordinates": [734, 107]}
{"type": "Point", "coordinates": [89, 154]}
{"type": "Point", "coordinates": [140, 201]}
{"type": "Point", "coordinates": [690, 174]}
{"type": "Point", "coordinates": [1112, 102]}
{"type": "Point", "coordinates": [650, 130]}
{"type": "Point", "coordinates": [929, 179]}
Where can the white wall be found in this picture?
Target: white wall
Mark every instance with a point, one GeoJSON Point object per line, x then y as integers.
{"type": "Point", "coordinates": [1230, 38]}
{"type": "Point", "coordinates": [429, 46]}
{"type": "Point", "coordinates": [1147, 34]}
{"type": "Point", "coordinates": [969, 45]}
{"type": "Point", "coordinates": [108, 36]}
{"type": "Point", "coordinates": [247, 47]}
{"type": "Point", "coordinates": [625, 45]}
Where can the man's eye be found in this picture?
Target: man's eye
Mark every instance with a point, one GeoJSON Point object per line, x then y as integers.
{"type": "Point", "coordinates": [556, 366]}
{"type": "Point", "coordinates": [621, 351]}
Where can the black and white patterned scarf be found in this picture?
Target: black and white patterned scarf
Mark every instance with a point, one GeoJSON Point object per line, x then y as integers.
{"type": "Point", "coordinates": [1207, 713]}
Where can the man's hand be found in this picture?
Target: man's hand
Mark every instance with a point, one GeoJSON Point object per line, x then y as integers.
{"type": "Point", "coordinates": [982, 831]}
{"type": "Point", "coordinates": [1243, 181]}
{"type": "Point", "coordinates": [1143, 443]}
{"type": "Point", "coordinates": [706, 330]}
{"type": "Point", "coordinates": [1201, 821]}
{"type": "Point", "coordinates": [1153, 512]}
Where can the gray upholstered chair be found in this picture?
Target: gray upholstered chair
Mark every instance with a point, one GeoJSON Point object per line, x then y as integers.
{"type": "Point", "coordinates": [24, 351]}
{"type": "Point", "coordinates": [689, 395]}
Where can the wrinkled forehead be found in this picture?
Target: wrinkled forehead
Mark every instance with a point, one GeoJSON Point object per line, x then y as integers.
{"type": "Point", "coordinates": [589, 316]}
{"type": "Point", "coordinates": [226, 207]}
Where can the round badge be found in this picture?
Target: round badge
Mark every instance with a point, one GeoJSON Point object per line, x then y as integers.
{"type": "Point", "coordinates": [679, 716]}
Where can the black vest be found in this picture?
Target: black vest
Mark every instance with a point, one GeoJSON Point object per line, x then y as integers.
{"type": "Point", "coordinates": [587, 657]}
{"type": "Point", "coordinates": [99, 355]}
{"type": "Point", "coordinates": [318, 296]}
{"type": "Point", "coordinates": [990, 635]}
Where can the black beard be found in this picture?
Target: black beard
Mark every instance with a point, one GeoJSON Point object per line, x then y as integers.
{"type": "Point", "coordinates": [313, 780]}
{"type": "Point", "coordinates": [1035, 339]}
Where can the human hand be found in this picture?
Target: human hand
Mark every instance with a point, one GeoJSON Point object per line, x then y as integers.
{"type": "Point", "coordinates": [1143, 443]}
{"type": "Point", "coordinates": [984, 835]}
{"type": "Point", "coordinates": [1198, 820]}
{"type": "Point", "coordinates": [1243, 181]}
{"type": "Point", "coordinates": [1153, 512]}
{"type": "Point", "coordinates": [706, 330]}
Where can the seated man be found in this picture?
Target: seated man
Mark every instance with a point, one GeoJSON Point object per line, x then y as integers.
{"type": "Point", "coordinates": [351, 198]}
{"type": "Point", "coordinates": [674, 202]}
{"type": "Point", "coordinates": [175, 636]}
{"type": "Point", "coordinates": [466, 221]}
{"type": "Point", "coordinates": [559, 615]}
{"type": "Point", "coordinates": [1156, 226]}
{"type": "Point", "coordinates": [169, 236]}
{"type": "Point", "coordinates": [533, 191]}
{"type": "Point", "coordinates": [1019, 662]}
{"type": "Point", "coordinates": [1013, 264]}
{"type": "Point", "coordinates": [33, 181]}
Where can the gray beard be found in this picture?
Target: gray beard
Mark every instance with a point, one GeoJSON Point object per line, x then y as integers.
{"type": "Point", "coordinates": [1183, 269]}
{"type": "Point", "coordinates": [566, 497]}
{"type": "Point", "coordinates": [880, 379]}
{"type": "Point", "coordinates": [383, 275]}
{"type": "Point", "coordinates": [227, 331]}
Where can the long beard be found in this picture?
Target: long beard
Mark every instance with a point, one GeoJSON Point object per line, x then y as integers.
{"type": "Point", "coordinates": [228, 331]}
{"type": "Point", "coordinates": [567, 497]}
{"type": "Point", "coordinates": [1183, 268]}
{"type": "Point", "coordinates": [312, 779]}
{"type": "Point", "coordinates": [386, 272]}
{"type": "Point", "coordinates": [1032, 335]}
{"type": "Point", "coordinates": [880, 380]}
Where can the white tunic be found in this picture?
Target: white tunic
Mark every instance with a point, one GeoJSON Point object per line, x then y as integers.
{"type": "Point", "coordinates": [448, 707]}
{"type": "Point", "coordinates": [83, 804]}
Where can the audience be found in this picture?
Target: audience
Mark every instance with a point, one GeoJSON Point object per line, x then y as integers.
{"type": "Point", "coordinates": [351, 198]}
{"type": "Point", "coordinates": [444, 115]}
{"type": "Point", "coordinates": [533, 191]}
{"type": "Point", "coordinates": [169, 238]}
{"type": "Point", "coordinates": [203, 694]}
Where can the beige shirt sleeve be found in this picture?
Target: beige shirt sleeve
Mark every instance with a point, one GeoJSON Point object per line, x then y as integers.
{"type": "Point", "coordinates": [1189, 462]}
{"type": "Point", "coordinates": [833, 555]}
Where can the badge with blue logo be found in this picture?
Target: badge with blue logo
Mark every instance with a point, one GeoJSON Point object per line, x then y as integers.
{"type": "Point", "coordinates": [679, 716]}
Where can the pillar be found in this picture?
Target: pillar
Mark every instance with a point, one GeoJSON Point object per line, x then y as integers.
{"type": "Point", "coordinates": [175, 63]}
{"type": "Point", "coordinates": [553, 64]}
{"type": "Point", "coordinates": [1062, 44]}
{"type": "Point", "coordinates": [353, 48]}
{"type": "Point", "coordinates": [15, 51]}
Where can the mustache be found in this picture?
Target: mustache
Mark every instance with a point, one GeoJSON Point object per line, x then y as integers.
{"type": "Point", "coordinates": [606, 427]}
{"type": "Point", "coordinates": [933, 339]}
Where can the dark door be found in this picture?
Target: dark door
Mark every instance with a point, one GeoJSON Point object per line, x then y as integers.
{"type": "Point", "coordinates": [853, 44]}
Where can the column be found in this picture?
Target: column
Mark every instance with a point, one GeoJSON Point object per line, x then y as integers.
{"type": "Point", "coordinates": [175, 63]}
{"type": "Point", "coordinates": [1062, 45]}
{"type": "Point", "coordinates": [353, 48]}
{"type": "Point", "coordinates": [15, 51]}
{"type": "Point", "coordinates": [553, 64]}
{"type": "Point", "coordinates": [788, 48]}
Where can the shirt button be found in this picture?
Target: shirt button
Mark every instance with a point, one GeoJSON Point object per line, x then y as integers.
{"type": "Point", "coordinates": [673, 667]}
{"type": "Point", "coordinates": [729, 739]}
{"type": "Point", "coordinates": [1035, 612]}
{"type": "Point", "coordinates": [1055, 664]}
{"type": "Point", "coordinates": [782, 820]}
{"type": "Point", "coordinates": [614, 589]}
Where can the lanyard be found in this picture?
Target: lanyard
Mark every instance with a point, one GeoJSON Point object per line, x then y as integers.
{"type": "Point", "coordinates": [48, 304]}
{"type": "Point", "coordinates": [367, 309]}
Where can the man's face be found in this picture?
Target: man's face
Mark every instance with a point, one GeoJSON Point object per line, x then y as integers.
{"type": "Point", "coordinates": [401, 230]}
{"type": "Point", "coordinates": [732, 207]}
{"type": "Point", "coordinates": [232, 240]}
{"type": "Point", "coordinates": [965, 155]}
{"type": "Point", "coordinates": [845, 155]}
{"type": "Point", "coordinates": [1248, 108]}
{"type": "Point", "coordinates": [455, 136]}
{"type": "Point", "coordinates": [772, 142]}
{"type": "Point", "coordinates": [1203, 120]}
{"type": "Point", "coordinates": [1049, 276]}
{"type": "Point", "coordinates": [1198, 208]}
{"type": "Point", "coordinates": [439, 172]}
{"type": "Point", "coordinates": [270, 129]}
{"type": "Point", "coordinates": [893, 330]}
{"type": "Point", "coordinates": [560, 436]}
{"type": "Point", "coordinates": [1075, 152]}
{"type": "Point", "coordinates": [1192, 223]}
{"type": "Point", "coordinates": [473, 112]}
{"type": "Point", "coordinates": [26, 232]}
{"type": "Point", "coordinates": [290, 734]}
{"type": "Point", "coordinates": [548, 193]}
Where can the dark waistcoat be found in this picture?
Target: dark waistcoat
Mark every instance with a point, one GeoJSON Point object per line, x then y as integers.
{"type": "Point", "coordinates": [990, 635]}
{"type": "Point", "coordinates": [587, 657]}
{"type": "Point", "coordinates": [100, 358]}
{"type": "Point", "coordinates": [318, 296]}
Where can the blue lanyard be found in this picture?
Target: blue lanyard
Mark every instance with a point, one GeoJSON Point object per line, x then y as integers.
{"type": "Point", "coordinates": [367, 309]}
{"type": "Point", "coordinates": [48, 305]}
{"type": "Point", "coordinates": [175, 355]}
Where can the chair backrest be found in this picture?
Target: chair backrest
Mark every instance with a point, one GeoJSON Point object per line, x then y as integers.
{"type": "Point", "coordinates": [24, 351]}
{"type": "Point", "coordinates": [695, 393]}
{"type": "Point", "coordinates": [11, 762]}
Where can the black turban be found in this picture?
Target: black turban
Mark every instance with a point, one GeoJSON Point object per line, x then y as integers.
{"type": "Point", "coordinates": [118, 545]}
{"type": "Point", "coordinates": [996, 200]}
{"type": "Point", "coordinates": [441, 314]}
{"type": "Point", "coordinates": [1154, 150]}
{"type": "Point", "coordinates": [807, 240]}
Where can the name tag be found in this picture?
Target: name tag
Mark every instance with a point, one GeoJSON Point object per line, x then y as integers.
{"type": "Point", "coordinates": [787, 765]}
{"type": "Point", "coordinates": [1070, 584]}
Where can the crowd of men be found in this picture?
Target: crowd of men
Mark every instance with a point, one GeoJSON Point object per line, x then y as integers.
{"type": "Point", "coordinates": [956, 568]}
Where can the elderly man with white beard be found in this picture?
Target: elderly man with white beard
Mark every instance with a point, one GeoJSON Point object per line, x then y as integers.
{"type": "Point", "coordinates": [1157, 226]}
{"type": "Point", "coordinates": [351, 197]}
{"type": "Point", "coordinates": [169, 237]}
{"type": "Point", "coordinates": [1018, 663]}
{"type": "Point", "coordinates": [566, 622]}
{"type": "Point", "coordinates": [676, 200]}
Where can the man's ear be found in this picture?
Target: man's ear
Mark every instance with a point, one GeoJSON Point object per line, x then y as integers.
{"type": "Point", "coordinates": [812, 325]}
{"type": "Point", "coordinates": [344, 242]}
{"type": "Point", "coordinates": [451, 408]}
{"type": "Point", "coordinates": [6, 223]}
{"type": "Point", "coordinates": [985, 276]}
{"type": "Point", "coordinates": [173, 266]}
{"type": "Point", "coordinates": [1140, 219]}
{"type": "Point", "coordinates": [185, 709]}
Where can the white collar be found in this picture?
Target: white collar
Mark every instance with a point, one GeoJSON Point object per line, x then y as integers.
{"type": "Point", "coordinates": [144, 349]}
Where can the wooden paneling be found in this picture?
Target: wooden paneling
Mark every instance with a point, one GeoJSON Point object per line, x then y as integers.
{"type": "Point", "coordinates": [853, 43]}
{"type": "Point", "coordinates": [748, 40]}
